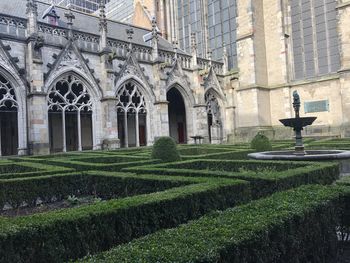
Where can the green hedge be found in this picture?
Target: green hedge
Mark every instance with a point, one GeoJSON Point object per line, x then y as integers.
{"type": "Point", "coordinates": [59, 187]}
{"type": "Point", "coordinates": [29, 169]}
{"type": "Point", "coordinates": [226, 155]}
{"type": "Point", "coordinates": [263, 182]}
{"type": "Point", "coordinates": [70, 233]}
{"type": "Point", "coordinates": [82, 165]}
{"type": "Point", "coordinates": [293, 226]}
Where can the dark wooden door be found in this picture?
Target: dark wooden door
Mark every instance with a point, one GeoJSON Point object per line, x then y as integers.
{"type": "Point", "coordinates": [181, 132]}
{"type": "Point", "coordinates": [142, 135]}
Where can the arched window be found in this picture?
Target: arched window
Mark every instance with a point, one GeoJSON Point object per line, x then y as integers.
{"type": "Point", "coordinates": [214, 117]}
{"type": "Point", "coordinates": [8, 118]}
{"type": "Point", "coordinates": [70, 107]}
{"type": "Point", "coordinates": [131, 108]}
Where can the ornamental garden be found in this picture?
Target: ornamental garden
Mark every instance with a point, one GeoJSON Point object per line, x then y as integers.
{"type": "Point", "coordinates": [196, 203]}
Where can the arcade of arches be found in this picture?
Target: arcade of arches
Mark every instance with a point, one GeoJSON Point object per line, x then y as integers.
{"type": "Point", "coordinates": [70, 109]}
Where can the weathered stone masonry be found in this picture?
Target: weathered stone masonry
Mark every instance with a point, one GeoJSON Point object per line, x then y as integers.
{"type": "Point", "coordinates": [83, 82]}
{"type": "Point", "coordinates": [71, 81]}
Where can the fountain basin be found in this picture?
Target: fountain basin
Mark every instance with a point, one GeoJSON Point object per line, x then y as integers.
{"type": "Point", "coordinates": [298, 123]}
{"type": "Point", "coordinates": [311, 155]}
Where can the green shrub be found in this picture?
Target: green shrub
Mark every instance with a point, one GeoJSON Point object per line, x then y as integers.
{"type": "Point", "coordinates": [265, 177]}
{"type": "Point", "coordinates": [261, 143]}
{"type": "Point", "coordinates": [292, 226]}
{"type": "Point", "coordinates": [59, 186]}
{"type": "Point", "coordinates": [60, 235]}
{"type": "Point", "coordinates": [165, 149]}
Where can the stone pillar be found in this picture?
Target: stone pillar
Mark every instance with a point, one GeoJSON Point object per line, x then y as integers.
{"type": "Point", "coordinates": [201, 119]}
{"type": "Point", "coordinates": [344, 39]}
{"type": "Point", "coordinates": [277, 37]}
{"type": "Point", "coordinates": [344, 34]}
{"type": "Point", "coordinates": [253, 98]}
{"type": "Point", "coordinates": [161, 118]}
{"type": "Point", "coordinates": [38, 132]}
{"type": "Point", "coordinates": [108, 103]}
{"type": "Point", "coordinates": [38, 124]}
{"type": "Point", "coordinates": [110, 123]}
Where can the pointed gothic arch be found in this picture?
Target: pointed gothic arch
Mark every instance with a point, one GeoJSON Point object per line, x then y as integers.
{"type": "Point", "coordinates": [181, 119]}
{"type": "Point", "coordinates": [72, 113]}
{"type": "Point", "coordinates": [133, 106]}
{"type": "Point", "coordinates": [13, 118]}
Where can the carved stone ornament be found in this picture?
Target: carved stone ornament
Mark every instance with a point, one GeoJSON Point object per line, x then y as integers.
{"type": "Point", "coordinates": [69, 94]}
{"type": "Point", "coordinates": [131, 68]}
{"type": "Point", "coordinates": [70, 59]}
{"type": "Point", "coordinates": [8, 99]}
{"type": "Point", "coordinates": [176, 74]}
{"type": "Point", "coordinates": [130, 99]}
{"type": "Point", "coordinates": [211, 81]}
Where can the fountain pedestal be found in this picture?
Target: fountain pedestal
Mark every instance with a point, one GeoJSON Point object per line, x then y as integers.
{"type": "Point", "coordinates": [298, 125]}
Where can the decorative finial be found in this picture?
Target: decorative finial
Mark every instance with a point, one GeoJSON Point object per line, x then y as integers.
{"type": "Point", "coordinates": [103, 20]}
{"type": "Point", "coordinates": [224, 48]}
{"type": "Point", "coordinates": [210, 54]}
{"type": "Point", "coordinates": [193, 41]}
{"type": "Point", "coordinates": [70, 17]}
{"type": "Point", "coordinates": [32, 7]}
{"type": "Point", "coordinates": [154, 28]}
{"type": "Point", "coordinates": [175, 43]}
{"type": "Point", "coordinates": [130, 33]}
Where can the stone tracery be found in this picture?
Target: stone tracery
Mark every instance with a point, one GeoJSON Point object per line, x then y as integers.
{"type": "Point", "coordinates": [130, 100]}
{"type": "Point", "coordinates": [7, 95]}
{"type": "Point", "coordinates": [69, 94]}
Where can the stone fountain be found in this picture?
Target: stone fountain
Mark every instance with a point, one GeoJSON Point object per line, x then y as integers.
{"type": "Point", "coordinates": [298, 123]}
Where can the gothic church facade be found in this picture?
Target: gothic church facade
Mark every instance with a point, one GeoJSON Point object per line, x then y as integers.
{"type": "Point", "coordinates": [71, 81]}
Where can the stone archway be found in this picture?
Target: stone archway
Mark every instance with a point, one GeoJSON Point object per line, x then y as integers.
{"type": "Point", "coordinates": [132, 115]}
{"type": "Point", "coordinates": [70, 111]}
{"type": "Point", "coordinates": [8, 118]}
{"type": "Point", "coordinates": [177, 115]}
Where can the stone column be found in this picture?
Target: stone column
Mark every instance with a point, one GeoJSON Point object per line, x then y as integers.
{"type": "Point", "coordinates": [161, 118]}
{"type": "Point", "coordinates": [344, 39]}
{"type": "Point", "coordinates": [108, 102]}
{"type": "Point", "coordinates": [253, 97]}
{"type": "Point", "coordinates": [110, 123]}
{"type": "Point", "coordinates": [38, 130]}
{"type": "Point", "coordinates": [38, 124]}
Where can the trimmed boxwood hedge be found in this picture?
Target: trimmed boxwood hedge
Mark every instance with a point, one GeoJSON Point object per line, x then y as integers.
{"type": "Point", "coordinates": [59, 187]}
{"type": "Point", "coordinates": [225, 155]}
{"type": "Point", "coordinates": [60, 235]}
{"type": "Point", "coordinates": [29, 169]}
{"type": "Point", "coordinates": [84, 164]}
{"type": "Point", "coordinates": [293, 226]}
{"type": "Point", "coordinates": [263, 182]}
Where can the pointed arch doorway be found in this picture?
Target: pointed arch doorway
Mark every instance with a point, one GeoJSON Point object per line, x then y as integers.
{"type": "Point", "coordinates": [177, 116]}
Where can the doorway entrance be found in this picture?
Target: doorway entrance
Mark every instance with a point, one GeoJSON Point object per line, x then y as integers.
{"type": "Point", "coordinates": [177, 116]}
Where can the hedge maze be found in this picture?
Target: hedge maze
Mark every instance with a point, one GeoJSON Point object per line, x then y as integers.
{"type": "Point", "coordinates": [212, 206]}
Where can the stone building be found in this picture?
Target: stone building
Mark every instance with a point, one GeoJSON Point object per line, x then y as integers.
{"type": "Point", "coordinates": [73, 81]}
